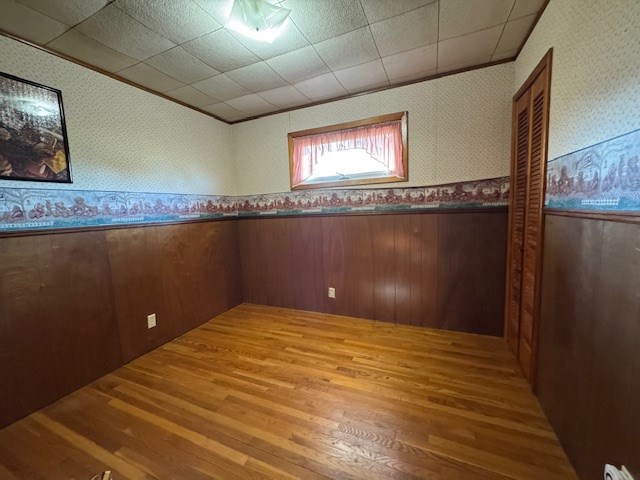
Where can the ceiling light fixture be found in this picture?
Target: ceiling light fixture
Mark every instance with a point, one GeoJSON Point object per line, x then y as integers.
{"type": "Point", "coordinates": [258, 19]}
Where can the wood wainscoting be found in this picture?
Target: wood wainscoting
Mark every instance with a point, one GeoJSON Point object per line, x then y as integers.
{"type": "Point", "coordinates": [73, 306]}
{"type": "Point", "coordinates": [439, 270]}
{"type": "Point", "coordinates": [265, 393]}
{"type": "Point", "coordinates": [589, 347]}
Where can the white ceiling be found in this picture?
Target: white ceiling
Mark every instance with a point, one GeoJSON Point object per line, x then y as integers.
{"type": "Point", "coordinates": [330, 48]}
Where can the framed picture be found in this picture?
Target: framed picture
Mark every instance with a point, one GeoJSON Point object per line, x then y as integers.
{"type": "Point", "coordinates": [33, 135]}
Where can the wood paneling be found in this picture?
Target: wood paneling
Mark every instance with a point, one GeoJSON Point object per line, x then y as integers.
{"type": "Point", "coordinates": [73, 306]}
{"type": "Point", "coordinates": [185, 274]}
{"type": "Point", "coordinates": [347, 252]}
{"type": "Point", "coordinates": [472, 249]}
{"type": "Point", "coordinates": [246, 397]}
{"type": "Point", "coordinates": [266, 252]}
{"type": "Point", "coordinates": [589, 335]}
{"type": "Point", "coordinates": [385, 260]}
{"type": "Point", "coordinates": [56, 319]}
{"type": "Point", "coordinates": [434, 269]}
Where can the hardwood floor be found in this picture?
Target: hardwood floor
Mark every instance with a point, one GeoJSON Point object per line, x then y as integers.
{"type": "Point", "coordinates": [263, 393]}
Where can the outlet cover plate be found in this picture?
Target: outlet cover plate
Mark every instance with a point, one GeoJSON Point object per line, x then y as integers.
{"type": "Point", "coordinates": [151, 320]}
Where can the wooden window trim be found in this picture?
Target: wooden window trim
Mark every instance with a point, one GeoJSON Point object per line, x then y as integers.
{"type": "Point", "coordinates": [392, 117]}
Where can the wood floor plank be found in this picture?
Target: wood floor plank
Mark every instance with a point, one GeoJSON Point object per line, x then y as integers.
{"type": "Point", "coordinates": [269, 393]}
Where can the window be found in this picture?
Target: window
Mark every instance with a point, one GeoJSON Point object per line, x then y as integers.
{"type": "Point", "coordinates": [356, 153]}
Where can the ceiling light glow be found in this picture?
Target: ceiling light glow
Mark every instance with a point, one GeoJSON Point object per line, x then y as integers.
{"type": "Point", "coordinates": [258, 19]}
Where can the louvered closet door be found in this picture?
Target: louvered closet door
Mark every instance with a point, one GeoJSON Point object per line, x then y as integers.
{"type": "Point", "coordinates": [518, 211]}
{"type": "Point", "coordinates": [531, 263]}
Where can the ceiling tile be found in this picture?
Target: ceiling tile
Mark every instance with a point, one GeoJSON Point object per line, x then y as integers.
{"type": "Point", "coordinates": [321, 87]}
{"type": "Point", "coordinates": [407, 31]}
{"type": "Point", "coordinates": [319, 20]}
{"type": "Point", "coordinates": [522, 8]}
{"type": "Point", "coordinates": [69, 12]}
{"type": "Point", "coordinates": [147, 76]}
{"type": "Point", "coordinates": [28, 23]}
{"type": "Point", "coordinates": [514, 33]}
{"type": "Point", "coordinates": [298, 65]}
{"type": "Point", "coordinates": [283, 97]}
{"type": "Point", "coordinates": [257, 77]}
{"type": "Point", "coordinates": [475, 48]}
{"type": "Point", "coordinates": [290, 39]}
{"type": "Point", "coordinates": [79, 46]}
{"type": "Point", "coordinates": [418, 63]}
{"type": "Point", "coordinates": [224, 111]}
{"type": "Point", "coordinates": [221, 50]}
{"type": "Point", "coordinates": [504, 55]}
{"type": "Point", "coordinates": [221, 87]}
{"type": "Point", "coordinates": [460, 17]}
{"type": "Point", "coordinates": [363, 77]}
{"type": "Point", "coordinates": [177, 20]}
{"type": "Point", "coordinates": [350, 49]}
{"type": "Point", "coordinates": [190, 95]}
{"type": "Point", "coordinates": [116, 29]}
{"type": "Point", "coordinates": [251, 104]}
{"type": "Point", "coordinates": [377, 10]}
{"type": "Point", "coordinates": [218, 9]}
{"type": "Point", "coordinates": [181, 65]}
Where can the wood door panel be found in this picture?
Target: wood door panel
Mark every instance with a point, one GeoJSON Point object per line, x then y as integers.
{"type": "Point", "coordinates": [518, 211]}
{"type": "Point", "coordinates": [526, 226]}
{"type": "Point", "coordinates": [533, 225]}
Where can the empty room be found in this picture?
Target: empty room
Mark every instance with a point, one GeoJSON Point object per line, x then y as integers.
{"type": "Point", "coordinates": [319, 239]}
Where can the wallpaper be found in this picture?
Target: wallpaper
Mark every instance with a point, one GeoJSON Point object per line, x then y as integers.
{"type": "Point", "coordinates": [605, 176]}
{"type": "Point", "coordinates": [459, 129]}
{"type": "Point", "coordinates": [25, 209]}
{"type": "Point", "coordinates": [595, 91]}
{"type": "Point", "coordinates": [122, 138]}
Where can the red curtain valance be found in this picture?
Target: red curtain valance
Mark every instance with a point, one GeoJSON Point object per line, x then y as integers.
{"type": "Point", "coordinates": [382, 141]}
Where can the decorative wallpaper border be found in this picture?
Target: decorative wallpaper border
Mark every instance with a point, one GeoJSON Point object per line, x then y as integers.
{"type": "Point", "coordinates": [602, 177]}
{"type": "Point", "coordinates": [25, 209]}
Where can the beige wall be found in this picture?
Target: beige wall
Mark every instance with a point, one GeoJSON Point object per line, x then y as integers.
{"type": "Point", "coordinates": [122, 138]}
{"type": "Point", "coordinates": [459, 129]}
{"type": "Point", "coordinates": [595, 85]}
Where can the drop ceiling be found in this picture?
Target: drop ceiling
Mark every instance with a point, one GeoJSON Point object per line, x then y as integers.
{"type": "Point", "coordinates": [329, 49]}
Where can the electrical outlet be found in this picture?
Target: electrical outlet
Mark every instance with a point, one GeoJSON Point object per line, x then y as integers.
{"type": "Point", "coordinates": [151, 320]}
{"type": "Point", "coordinates": [332, 292]}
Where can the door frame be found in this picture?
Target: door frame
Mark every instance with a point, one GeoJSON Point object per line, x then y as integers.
{"type": "Point", "coordinates": [545, 62]}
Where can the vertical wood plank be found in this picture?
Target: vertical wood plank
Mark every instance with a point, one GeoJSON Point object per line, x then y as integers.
{"type": "Point", "coordinates": [384, 264]}
{"type": "Point", "coordinates": [616, 332]}
{"type": "Point", "coordinates": [415, 266]}
{"type": "Point", "coordinates": [254, 272]}
{"type": "Point", "coordinates": [571, 264]}
{"type": "Point", "coordinates": [429, 260]}
{"type": "Point", "coordinates": [307, 267]}
{"type": "Point", "coordinates": [471, 266]}
{"type": "Point", "coordinates": [336, 269]}
{"type": "Point", "coordinates": [360, 232]}
{"type": "Point", "coordinates": [57, 318]}
{"type": "Point", "coordinates": [275, 234]}
{"type": "Point", "coordinates": [230, 252]}
{"type": "Point", "coordinates": [25, 332]}
{"type": "Point", "coordinates": [75, 282]}
{"type": "Point", "coordinates": [136, 279]}
{"type": "Point", "coordinates": [402, 241]}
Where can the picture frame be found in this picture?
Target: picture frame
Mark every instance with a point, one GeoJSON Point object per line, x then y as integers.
{"type": "Point", "coordinates": [33, 134]}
